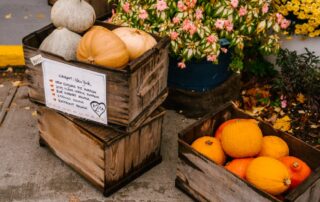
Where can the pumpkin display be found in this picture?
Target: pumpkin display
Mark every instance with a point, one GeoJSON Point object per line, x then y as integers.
{"type": "Point", "coordinates": [137, 41]}
{"type": "Point", "coordinates": [61, 42]}
{"type": "Point", "coordinates": [239, 166]}
{"type": "Point", "coordinates": [211, 148]}
{"type": "Point", "coordinates": [241, 139]}
{"type": "Point", "coordinates": [274, 146]}
{"type": "Point", "coordinates": [75, 15]}
{"type": "Point", "coordinates": [269, 175]}
{"type": "Point", "coordinates": [101, 46]}
{"type": "Point", "coordinates": [221, 127]}
{"type": "Point", "coordinates": [298, 169]}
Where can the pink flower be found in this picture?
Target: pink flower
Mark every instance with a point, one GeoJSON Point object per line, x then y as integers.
{"type": "Point", "coordinates": [228, 25]}
{"type": "Point", "coordinates": [190, 3]}
{"type": "Point", "coordinates": [279, 18]}
{"type": "Point", "coordinates": [212, 39]}
{"type": "Point", "coordinates": [242, 11]}
{"type": "Point", "coordinates": [181, 65]}
{"type": "Point", "coordinates": [284, 103]}
{"type": "Point", "coordinates": [186, 25]}
{"type": "Point", "coordinates": [143, 14]}
{"type": "Point", "coordinates": [285, 23]}
{"type": "Point", "coordinates": [199, 14]}
{"type": "Point", "coordinates": [265, 8]}
{"type": "Point", "coordinates": [181, 6]}
{"type": "Point", "coordinates": [126, 7]}
{"type": "Point", "coordinates": [219, 24]}
{"type": "Point", "coordinates": [234, 3]}
{"type": "Point", "coordinates": [192, 29]}
{"type": "Point", "coordinates": [212, 58]}
{"type": "Point", "coordinates": [174, 35]}
{"type": "Point", "coordinates": [224, 50]}
{"type": "Point", "coordinates": [175, 20]}
{"type": "Point", "coordinates": [161, 5]}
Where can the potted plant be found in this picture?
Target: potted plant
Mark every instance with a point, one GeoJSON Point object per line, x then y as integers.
{"type": "Point", "coordinates": [207, 41]}
{"type": "Point", "coordinates": [304, 29]}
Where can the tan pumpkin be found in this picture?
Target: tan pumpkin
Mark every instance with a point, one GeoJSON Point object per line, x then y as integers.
{"type": "Point", "coordinates": [61, 42]}
{"type": "Point", "coordinates": [269, 175]}
{"type": "Point", "coordinates": [101, 46]}
{"type": "Point", "coordinates": [75, 15]}
{"type": "Point", "coordinates": [137, 41]}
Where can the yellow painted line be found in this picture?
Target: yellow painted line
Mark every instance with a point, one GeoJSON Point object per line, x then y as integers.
{"type": "Point", "coordinates": [11, 55]}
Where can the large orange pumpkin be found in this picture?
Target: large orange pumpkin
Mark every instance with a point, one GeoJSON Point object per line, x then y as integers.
{"type": "Point", "coordinates": [241, 139]}
{"type": "Point", "coordinates": [221, 127]}
{"type": "Point", "coordinates": [269, 175]}
{"type": "Point", "coordinates": [211, 148]}
{"type": "Point", "coordinates": [299, 170]}
{"type": "Point", "coordinates": [102, 47]}
{"type": "Point", "coordinates": [274, 146]}
{"type": "Point", "coordinates": [239, 166]}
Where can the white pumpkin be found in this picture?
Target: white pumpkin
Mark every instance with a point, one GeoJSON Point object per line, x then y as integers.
{"type": "Point", "coordinates": [75, 15]}
{"type": "Point", "coordinates": [137, 41]}
{"type": "Point", "coordinates": [62, 42]}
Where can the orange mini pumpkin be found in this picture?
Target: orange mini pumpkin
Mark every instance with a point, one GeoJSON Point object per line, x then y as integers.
{"type": "Point", "coordinates": [239, 166]}
{"type": "Point", "coordinates": [102, 47]}
{"type": "Point", "coordinates": [299, 170]}
{"type": "Point", "coordinates": [274, 146]}
{"type": "Point", "coordinates": [224, 124]}
{"type": "Point", "coordinates": [211, 148]}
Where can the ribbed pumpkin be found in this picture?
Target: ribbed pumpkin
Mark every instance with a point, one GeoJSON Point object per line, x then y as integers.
{"type": "Point", "coordinates": [221, 127]}
{"type": "Point", "coordinates": [241, 139]}
{"type": "Point", "coordinates": [75, 15]}
{"type": "Point", "coordinates": [274, 146]}
{"type": "Point", "coordinates": [239, 166]}
{"type": "Point", "coordinates": [299, 170]}
{"type": "Point", "coordinates": [269, 175]}
{"type": "Point", "coordinates": [211, 148]}
{"type": "Point", "coordinates": [137, 41]}
{"type": "Point", "coordinates": [102, 47]}
{"type": "Point", "coordinates": [61, 42]}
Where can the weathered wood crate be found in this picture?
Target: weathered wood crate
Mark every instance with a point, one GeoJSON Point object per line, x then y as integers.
{"type": "Point", "coordinates": [132, 93]}
{"type": "Point", "coordinates": [204, 180]}
{"type": "Point", "coordinates": [107, 157]}
{"type": "Point", "coordinates": [101, 7]}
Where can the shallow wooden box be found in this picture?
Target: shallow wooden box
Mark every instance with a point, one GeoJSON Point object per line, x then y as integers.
{"type": "Point", "coordinates": [204, 180]}
{"type": "Point", "coordinates": [108, 157]}
{"type": "Point", "coordinates": [132, 93]}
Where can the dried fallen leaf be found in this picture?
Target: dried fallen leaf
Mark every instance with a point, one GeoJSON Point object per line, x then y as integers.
{"type": "Point", "coordinates": [314, 126]}
{"type": "Point", "coordinates": [9, 69]}
{"type": "Point", "coordinates": [16, 83]}
{"type": "Point", "coordinates": [27, 108]}
{"type": "Point", "coordinates": [301, 112]}
{"type": "Point", "coordinates": [74, 198]}
{"type": "Point", "coordinates": [273, 118]}
{"type": "Point", "coordinates": [34, 113]}
{"type": "Point", "coordinates": [300, 98]}
{"type": "Point", "coordinates": [283, 123]}
{"type": "Point", "coordinates": [8, 16]}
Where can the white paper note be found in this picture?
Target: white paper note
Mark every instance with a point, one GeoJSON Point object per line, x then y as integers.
{"type": "Point", "coordinates": [75, 91]}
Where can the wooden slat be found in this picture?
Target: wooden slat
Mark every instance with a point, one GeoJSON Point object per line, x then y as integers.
{"type": "Point", "coordinates": [73, 145]}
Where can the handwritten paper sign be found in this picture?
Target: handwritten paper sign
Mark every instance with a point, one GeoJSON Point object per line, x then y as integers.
{"type": "Point", "coordinates": [75, 91]}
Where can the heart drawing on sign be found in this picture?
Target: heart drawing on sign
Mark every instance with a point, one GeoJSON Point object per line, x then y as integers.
{"type": "Point", "coordinates": [98, 108]}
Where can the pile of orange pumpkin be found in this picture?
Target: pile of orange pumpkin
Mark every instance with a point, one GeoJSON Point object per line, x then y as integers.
{"type": "Point", "coordinates": [263, 161]}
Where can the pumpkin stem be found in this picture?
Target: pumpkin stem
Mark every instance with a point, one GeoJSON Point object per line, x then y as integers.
{"type": "Point", "coordinates": [91, 60]}
{"type": "Point", "coordinates": [295, 166]}
{"type": "Point", "coordinates": [208, 142]}
{"type": "Point", "coordinates": [287, 181]}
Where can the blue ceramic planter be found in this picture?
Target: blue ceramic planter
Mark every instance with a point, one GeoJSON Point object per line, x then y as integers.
{"type": "Point", "coordinates": [201, 75]}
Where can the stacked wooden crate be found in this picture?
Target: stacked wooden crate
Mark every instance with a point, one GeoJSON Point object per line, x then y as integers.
{"type": "Point", "coordinates": [109, 154]}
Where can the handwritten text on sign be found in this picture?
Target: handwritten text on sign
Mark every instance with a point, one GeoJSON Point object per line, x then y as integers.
{"type": "Point", "coordinates": [75, 91]}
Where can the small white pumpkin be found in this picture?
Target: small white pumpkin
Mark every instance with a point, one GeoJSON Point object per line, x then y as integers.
{"type": "Point", "coordinates": [75, 15]}
{"type": "Point", "coordinates": [62, 42]}
{"type": "Point", "coordinates": [137, 41]}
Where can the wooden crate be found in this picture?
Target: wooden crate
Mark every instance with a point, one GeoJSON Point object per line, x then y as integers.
{"type": "Point", "coordinates": [101, 7]}
{"type": "Point", "coordinates": [204, 180]}
{"type": "Point", "coordinates": [132, 92]}
{"type": "Point", "coordinates": [107, 157]}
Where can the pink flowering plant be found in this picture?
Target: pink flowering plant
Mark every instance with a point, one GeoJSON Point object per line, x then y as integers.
{"type": "Point", "coordinates": [196, 27]}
